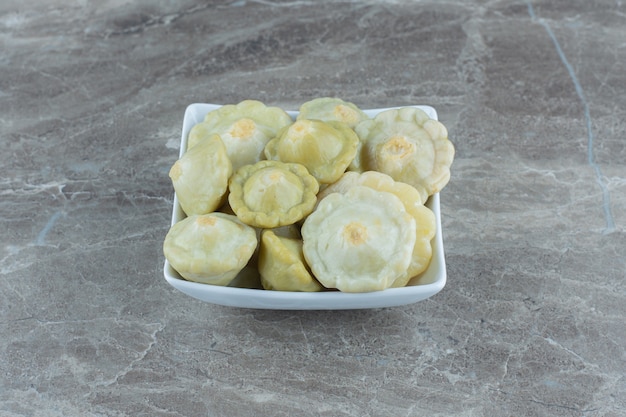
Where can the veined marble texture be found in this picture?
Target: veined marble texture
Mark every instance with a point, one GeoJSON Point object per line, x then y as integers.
{"type": "Point", "coordinates": [532, 319]}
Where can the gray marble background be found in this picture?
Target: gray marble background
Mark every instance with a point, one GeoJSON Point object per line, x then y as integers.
{"type": "Point", "coordinates": [531, 322]}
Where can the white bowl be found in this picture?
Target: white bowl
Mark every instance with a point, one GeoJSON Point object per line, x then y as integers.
{"type": "Point", "coordinates": [426, 285]}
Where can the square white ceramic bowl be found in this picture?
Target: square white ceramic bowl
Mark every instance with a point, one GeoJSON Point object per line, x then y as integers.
{"type": "Point", "coordinates": [426, 285]}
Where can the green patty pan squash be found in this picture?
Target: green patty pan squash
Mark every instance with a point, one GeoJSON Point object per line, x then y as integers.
{"type": "Point", "coordinates": [245, 129]}
{"type": "Point", "coordinates": [413, 201]}
{"type": "Point", "coordinates": [326, 149]}
{"type": "Point", "coordinates": [210, 248]}
{"type": "Point", "coordinates": [200, 177]}
{"type": "Point", "coordinates": [282, 265]}
{"type": "Point", "coordinates": [330, 109]}
{"type": "Point", "coordinates": [407, 145]}
{"type": "Point", "coordinates": [359, 241]}
{"type": "Point", "coordinates": [271, 194]}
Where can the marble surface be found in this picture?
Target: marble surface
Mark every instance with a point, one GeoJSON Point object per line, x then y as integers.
{"type": "Point", "coordinates": [531, 321]}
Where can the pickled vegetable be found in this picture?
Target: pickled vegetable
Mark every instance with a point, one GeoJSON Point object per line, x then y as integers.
{"type": "Point", "coordinates": [200, 177]}
{"type": "Point", "coordinates": [359, 241]}
{"type": "Point", "coordinates": [407, 145]}
{"type": "Point", "coordinates": [270, 194]}
{"type": "Point", "coordinates": [210, 248]}
{"type": "Point", "coordinates": [324, 148]}
{"type": "Point", "coordinates": [330, 109]}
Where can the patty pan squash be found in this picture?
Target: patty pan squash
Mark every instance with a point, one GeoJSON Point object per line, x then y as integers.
{"type": "Point", "coordinates": [332, 109]}
{"type": "Point", "coordinates": [282, 265]}
{"type": "Point", "coordinates": [413, 202]}
{"type": "Point", "coordinates": [324, 148]}
{"type": "Point", "coordinates": [359, 241]}
{"type": "Point", "coordinates": [245, 129]}
{"type": "Point", "coordinates": [209, 248]}
{"type": "Point", "coordinates": [407, 145]}
{"type": "Point", "coordinates": [200, 176]}
{"type": "Point", "coordinates": [271, 194]}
